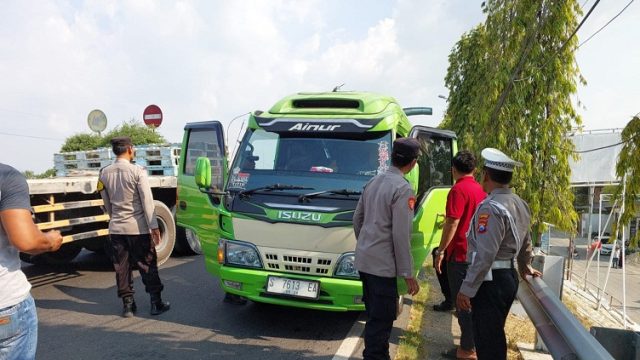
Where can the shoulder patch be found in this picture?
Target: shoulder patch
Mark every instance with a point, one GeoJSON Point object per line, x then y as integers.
{"type": "Point", "coordinates": [100, 186]}
{"type": "Point", "coordinates": [412, 203]}
{"type": "Point", "coordinates": [483, 222]}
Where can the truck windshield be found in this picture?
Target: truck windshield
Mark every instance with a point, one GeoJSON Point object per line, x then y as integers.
{"type": "Point", "coordinates": [323, 161]}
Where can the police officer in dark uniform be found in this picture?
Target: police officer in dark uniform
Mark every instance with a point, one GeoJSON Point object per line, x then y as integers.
{"type": "Point", "coordinates": [133, 227]}
{"type": "Point", "coordinates": [498, 234]}
{"type": "Point", "coordinates": [382, 224]}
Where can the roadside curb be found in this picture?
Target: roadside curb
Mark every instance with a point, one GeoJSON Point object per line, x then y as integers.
{"type": "Point", "coordinates": [529, 353]}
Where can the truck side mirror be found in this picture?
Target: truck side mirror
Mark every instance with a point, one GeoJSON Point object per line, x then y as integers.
{"type": "Point", "coordinates": [203, 172]}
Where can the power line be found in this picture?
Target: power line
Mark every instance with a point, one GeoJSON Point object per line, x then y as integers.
{"type": "Point", "coordinates": [579, 26]}
{"type": "Point", "coordinates": [599, 148]}
{"type": "Point", "coordinates": [607, 24]}
{"type": "Point", "coordinates": [565, 43]}
{"type": "Point", "coordinates": [30, 136]}
{"type": "Point", "coordinates": [23, 113]}
{"type": "Point", "coordinates": [606, 146]}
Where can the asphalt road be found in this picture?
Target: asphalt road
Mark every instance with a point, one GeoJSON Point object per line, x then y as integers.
{"type": "Point", "coordinates": [79, 318]}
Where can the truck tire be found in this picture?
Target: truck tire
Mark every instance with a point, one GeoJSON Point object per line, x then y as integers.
{"type": "Point", "coordinates": [98, 245]}
{"type": "Point", "coordinates": [167, 226]}
{"type": "Point", "coordinates": [64, 255]}
{"type": "Point", "coordinates": [188, 243]}
{"type": "Point", "coordinates": [185, 245]}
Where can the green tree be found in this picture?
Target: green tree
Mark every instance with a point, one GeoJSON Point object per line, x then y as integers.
{"type": "Point", "coordinates": [80, 142]}
{"type": "Point", "coordinates": [140, 135]}
{"type": "Point", "coordinates": [510, 82]}
{"type": "Point", "coordinates": [45, 175]}
{"type": "Point", "coordinates": [629, 166]}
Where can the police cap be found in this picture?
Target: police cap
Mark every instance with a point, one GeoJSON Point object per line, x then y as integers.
{"type": "Point", "coordinates": [121, 141]}
{"type": "Point", "coordinates": [406, 148]}
{"type": "Point", "coordinates": [496, 159]}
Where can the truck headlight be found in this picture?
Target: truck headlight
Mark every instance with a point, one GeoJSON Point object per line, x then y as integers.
{"type": "Point", "coordinates": [346, 266]}
{"type": "Point", "coordinates": [242, 254]}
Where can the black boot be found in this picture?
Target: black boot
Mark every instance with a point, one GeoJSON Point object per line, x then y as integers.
{"type": "Point", "coordinates": [158, 306]}
{"type": "Point", "coordinates": [128, 306]}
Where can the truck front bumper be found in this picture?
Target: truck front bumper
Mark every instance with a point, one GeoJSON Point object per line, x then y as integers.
{"type": "Point", "coordinates": [335, 294]}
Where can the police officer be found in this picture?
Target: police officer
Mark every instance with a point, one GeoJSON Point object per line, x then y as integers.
{"type": "Point", "coordinates": [382, 224]}
{"type": "Point", "coordinates": [124, 187]}
{"type": "Point", "coordinates": [498, 233]}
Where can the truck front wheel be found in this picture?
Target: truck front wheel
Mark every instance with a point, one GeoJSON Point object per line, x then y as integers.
{"type": "Point", "coordinates": [167, 227]}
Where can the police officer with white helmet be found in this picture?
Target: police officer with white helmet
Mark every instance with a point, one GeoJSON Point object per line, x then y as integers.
{"type": "Point", "coordinates": [498, 234]}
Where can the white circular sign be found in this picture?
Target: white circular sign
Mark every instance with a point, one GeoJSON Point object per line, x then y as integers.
{"type": "Point", "coordinates": [97, 120]}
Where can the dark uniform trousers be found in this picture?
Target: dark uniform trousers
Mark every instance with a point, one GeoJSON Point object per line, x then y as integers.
{"type": "Point", "coordinates": [456, 272]}
{"type": "Point", "coordinates": [443, 279]}
{"type": "Point", "coordinates": [135, 250]}
{"type": "Point", "coordinates": [490, 309]}
{"type": "Point", "coordinates": [380, 296]}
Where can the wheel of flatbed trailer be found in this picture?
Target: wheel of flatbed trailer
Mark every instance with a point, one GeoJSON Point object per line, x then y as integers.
{"type": "Point", "coordinates": [64, 255]}
{"type": "Point", "coordinates": [167, 226]}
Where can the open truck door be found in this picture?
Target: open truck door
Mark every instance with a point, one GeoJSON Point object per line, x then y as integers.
{"type": "Point", "coordinates": [203, 168]}
{"type": "Point", "coordinates": [434, 181]}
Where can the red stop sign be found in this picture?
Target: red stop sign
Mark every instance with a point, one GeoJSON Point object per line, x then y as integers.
{"type": "Point", "coordinates": [152, 116]}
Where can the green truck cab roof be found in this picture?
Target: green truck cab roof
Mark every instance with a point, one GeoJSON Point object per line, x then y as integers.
{"type": "Point", "coordinates": [340, 105]}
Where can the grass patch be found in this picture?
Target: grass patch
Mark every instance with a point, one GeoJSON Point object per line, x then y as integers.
{"type": "Point", "coordinates": [573, 308]}
{"type": "Point", "coordinates": [518, 330]}
{"type": "Point", "coordinates": [412, 341]}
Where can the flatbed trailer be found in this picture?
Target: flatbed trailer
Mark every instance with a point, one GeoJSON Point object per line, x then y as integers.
{"type": "Point", "coordinates": [72, 205]}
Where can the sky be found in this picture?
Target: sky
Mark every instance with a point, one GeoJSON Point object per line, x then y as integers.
{"type": "Point", "coordinates": [216, 60]}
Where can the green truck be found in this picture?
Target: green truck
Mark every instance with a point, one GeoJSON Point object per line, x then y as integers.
{"type": "Point", "coordinates": [275, 223]}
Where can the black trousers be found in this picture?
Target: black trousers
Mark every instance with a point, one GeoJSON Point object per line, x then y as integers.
{"type": "Point", "coordinates": [443, 279]}
{"type": "Point", "coordinates": [457, 271]}
{"type": "Point", "coordinates": [490, 309]}
{"type": "Point", "coordinates": [135, 250]}
{"type": "Point", "coordinates": [380, 296]}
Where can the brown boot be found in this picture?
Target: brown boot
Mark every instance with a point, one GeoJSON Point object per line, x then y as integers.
{"type": "Point", "coordinates": [466, 354]}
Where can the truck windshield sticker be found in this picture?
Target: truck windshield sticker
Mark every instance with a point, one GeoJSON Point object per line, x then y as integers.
{"type": "Point", "coordinates": [239, 180]}
{"type": "Point", "coordinates": [383, 156]}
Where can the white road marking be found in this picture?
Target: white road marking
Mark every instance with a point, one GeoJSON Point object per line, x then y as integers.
{"type": "Point", "coordinates": [350, 343]}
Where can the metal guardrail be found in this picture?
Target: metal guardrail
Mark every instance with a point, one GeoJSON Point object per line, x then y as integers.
{"type": "Point", "coordinates": [562, 333]}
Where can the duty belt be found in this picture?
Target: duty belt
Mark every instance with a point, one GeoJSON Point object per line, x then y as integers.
{"type": "Point", "coordinates": [502, 264]}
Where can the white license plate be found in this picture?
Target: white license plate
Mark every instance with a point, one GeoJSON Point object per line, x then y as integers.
{"type": "Point", "coordinates": [293, 287]}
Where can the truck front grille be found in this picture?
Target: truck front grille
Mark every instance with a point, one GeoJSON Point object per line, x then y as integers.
{"type": "Point", "coordinates": [303, 262]}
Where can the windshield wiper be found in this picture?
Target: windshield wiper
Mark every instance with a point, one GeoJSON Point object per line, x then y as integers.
{"type": "Point", "coordinates": [346, 192]}
{"type": "Point", "coordinates": [272, 187]}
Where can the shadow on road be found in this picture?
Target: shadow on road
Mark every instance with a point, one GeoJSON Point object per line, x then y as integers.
{"type": "Point", "coordinates": [104, 343]}
{"type": "Point", "coordinates": [78, 306]}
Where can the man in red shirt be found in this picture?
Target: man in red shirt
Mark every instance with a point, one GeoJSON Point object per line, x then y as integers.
{"type": "Point", "coordinates": [462, 201]}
